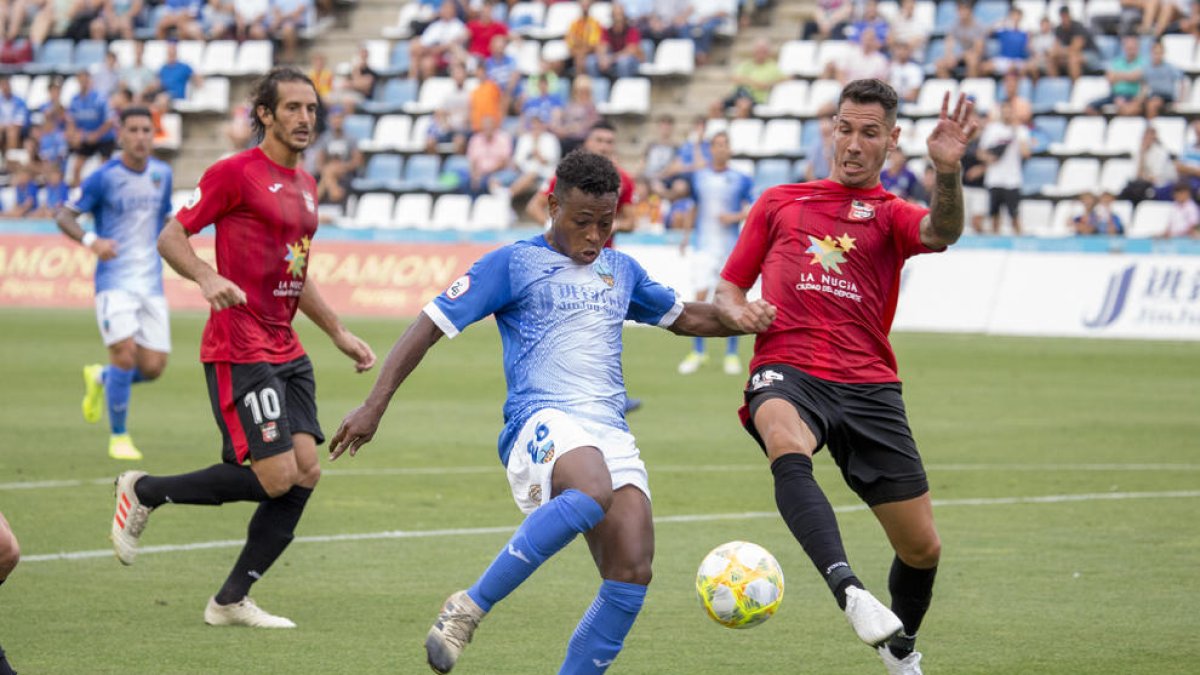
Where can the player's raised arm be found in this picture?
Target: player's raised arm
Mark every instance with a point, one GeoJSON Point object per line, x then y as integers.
{"type": "Point", "coordinates": [359, 425]}
{"type": "Point", "coordinates": [316, 309]}
{"type": "Point", "coordinates": [174, 247]}
{"type": "Point", "coordinates": [947, 144]}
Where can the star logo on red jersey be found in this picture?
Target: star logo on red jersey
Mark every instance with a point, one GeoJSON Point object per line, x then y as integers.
{"type": "Point", "coordinates": [297, 257]}
{"type": "Point", "coordinates": [830, 252]}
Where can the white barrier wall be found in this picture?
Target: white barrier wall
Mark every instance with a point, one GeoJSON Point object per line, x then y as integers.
{"type": "Point", "coordinates": [1026, 293]}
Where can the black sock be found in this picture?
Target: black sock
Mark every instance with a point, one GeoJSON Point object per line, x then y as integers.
{"type": "Point", "coordinates": [912, 590]}
{"type": "Point", "coordinates": [810, 518]}
{"type": "Point", "coordinates": [271, 530]}
{"type": "Point", "coordinates": [218, 484]}
{"type": "Point", "coordinates": [5, 668]}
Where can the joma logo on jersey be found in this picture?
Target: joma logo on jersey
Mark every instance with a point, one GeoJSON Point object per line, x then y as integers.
{"type": "Point", "coordinates": [297, 257]}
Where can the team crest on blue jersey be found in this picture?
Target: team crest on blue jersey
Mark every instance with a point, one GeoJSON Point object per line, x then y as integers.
{"type": "Point", "coordinates": [156, 178]}
{"type": "Point", "coordinates": [604, 273]}
{"type": "Point", "coordinates": [861, 210]}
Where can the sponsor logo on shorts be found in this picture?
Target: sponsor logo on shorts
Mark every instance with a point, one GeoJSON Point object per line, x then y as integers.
{"type": "Point", "coordinates": [535, 494]}
{"type": "Point", "coordinates": [764, 379]}
{"type": "Point", "coordinates": [270, 432]}
{"type": "Point", "coordinates": [459, 288]}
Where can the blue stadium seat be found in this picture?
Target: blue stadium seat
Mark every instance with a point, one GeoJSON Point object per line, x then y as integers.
{"type": "Point", "coordinates": [1024, 90]}
{"type": "Point", "coordinates": [459, 165]}
{"type": "Point", "coordinates": [359, 127]}
{"type": "Point", "coordinates": [990, 12]}
{"type": "Point", "coordinates": [391, 97]}
{"type": "Point", "coordinates": [648, 50]}
{"type": "Point", "coordinates": [1048, 129]}
{"type": "Point", "coordinates": [812, 130]}
{"type": "Point", "coordinates": [399, 61]}
{"type": "Point", "coordinates": [421, 173]}
{"type": "Point", "coordinates": [89, 53]}
{"type": "Point", "coordinates": [1109, 46]}
{"type": "Point", "coordinates": [1050, 91]}
{"type": "Point", "coordinates": [383, 172]}
{"type": "Point", "coordinates": [1037, 173]}
{"type": "Point", "coordinates": [771, 172]}
{"type": "Point", "coordinates": [601, 86]}
{"type": "Point", "coordinates": [798, 169]}
{"type": "Point", "coordinates": [53, 57]}
{"type": "Point", "coordinates": [946, 17]}
{"type": "Point", "coordinates": [934, 51]}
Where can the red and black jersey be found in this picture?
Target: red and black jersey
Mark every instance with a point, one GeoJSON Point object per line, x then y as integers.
{"type": "Point", "coordinates": [830, 260]}
{"type": "Point", "coordinates": [265, 216]}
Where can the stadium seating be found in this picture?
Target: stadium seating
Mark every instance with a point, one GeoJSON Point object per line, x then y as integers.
{"type": "Point", "coordinates": [413, 211]}
{"type": "Point", "coordinates": [1149, 219]}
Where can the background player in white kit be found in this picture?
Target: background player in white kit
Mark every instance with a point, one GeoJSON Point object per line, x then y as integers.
{"type": "Point", "coordinates": [723, 198]}
{"type": "Point", "coordinates": [130, 199]}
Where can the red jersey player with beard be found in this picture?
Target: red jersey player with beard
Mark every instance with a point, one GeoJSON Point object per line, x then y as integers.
{"type": "Point", "coordinates": [263, 208]}
{"type": "Point", "coordinates": [829, 253]}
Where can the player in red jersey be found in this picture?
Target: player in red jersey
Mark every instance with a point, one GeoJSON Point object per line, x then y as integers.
{"type": "Point", "coordinates": [260, 381]}
{"type": "Point", "coordinates": [829, 253]}
{"type": "Point", "coordinates": [10, 554]}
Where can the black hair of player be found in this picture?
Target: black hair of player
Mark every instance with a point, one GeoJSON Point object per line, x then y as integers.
{"type": "Point", "coordinates": [265, 94]}
{"type": "Point", "coordinates": [864, 92]}
{"type": "Point", "coordinates": [135, 111]}
{"type": "Point", "coordinates": [602, 124]}
{"type": "Point", "coordinates": [591, 173]}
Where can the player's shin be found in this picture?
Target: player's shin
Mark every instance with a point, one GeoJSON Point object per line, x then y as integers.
{"type": "Point", "coordinates": [601, 632]}
{"type": "Point", "coordinates": [912, 591]}
{"type": "Point", "coordinates": [545, 532]}
{"type": "Point", "coordinates": [117, 383]}
{"type": "Point", "coordinates": [218, 484]}
{"type": "Point", "coordinates": [271, 529]}
{"type": "Point", "coordinates": [809, 516]}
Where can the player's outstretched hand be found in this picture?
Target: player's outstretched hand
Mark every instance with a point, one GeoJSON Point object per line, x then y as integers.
{"type": "Point", "coordinates": [354, 347]}
{"type": "Point", "coordinates": [105, 249]}
{"type": "Point", "coordinates": [221, 293]}
{"type": "Point", "coordinates": [755, 317]}
{"type": "Point", "coordinates": [948, 142]}
{"type": "Point", "coordinates": [356, 430]}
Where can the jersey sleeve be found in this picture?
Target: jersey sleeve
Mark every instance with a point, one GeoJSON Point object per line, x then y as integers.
{"type": "Point", "coordinates": [165, 207]}
{"type": "Point", "coordinates": [745, 262]}
{"type": "Point", "coordinates": [745, 192]}
{"type": "Point", "coordinates": [91, 194]}
{"type": "Point", "coordinates": [485, 289]}
{"type": "Point", "coordinates": [906, 228]}
{"type": "Point", "coordinates": [651, 302]}
{"type": "Point", "coordinates": [216, 195]}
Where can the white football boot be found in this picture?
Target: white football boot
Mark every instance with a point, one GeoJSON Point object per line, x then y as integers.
{"type": "Point", "coordinates": [874, 623]}
{"type": "Point", "coordinates": [909, 665]}
{"type": "Point", "coordinates": [449, 635]}
{"type": "Point", "coordinates": [129, 518]}
{"type": "Point", "coordinates": [243, 613]}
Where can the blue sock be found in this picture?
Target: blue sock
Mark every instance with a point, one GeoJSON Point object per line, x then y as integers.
{"type": "Point", "coordinates": [698, 345]}
{"type": "Point", "coordinates": [117, 382]}
{"type": "Point", "coordinates": [545, 532]}
{"type": "Point", "coordinates": [731, 345]}
{"type": "Point", "coordinates": [601, 632]}
{"type": "Point", "coordinates": [138, 377]}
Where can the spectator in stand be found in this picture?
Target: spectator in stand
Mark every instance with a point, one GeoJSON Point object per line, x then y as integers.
{"type": "Point", "coordinates": [90, 128]}
{"type": "Point", "coordinates": [14, 116]}
{"type": "Point", "coordinates": [907, 30]}
{"type": "Point", "coordinates": [536, 156]}
{"type": "Point", "coordinates": [175, 75]}
{"type": "Point", "coordinates": [321, 75]}
{"type": "Point", "coordinates": [670, 19]}
{"type": "Point", "coordinates": [578, 116]}
{"type": "Point", "coordinates": [251, 18]}
{"type": "Point", "coordinates": [904, 75]}
{"type": "Point", "coordinates": [237, 129]}
{"type": "Point", "coordinates": [287, 18]}
{"type": "Point", "coordinates": [53, 108]}
{"type": "Point", "coordinates": [116, 20]}
{"type": "Point", "coordinates": [870, 20]}
{"type": "Point", "coordinates": [1092, 216]}
{"type": "Point", "coordinates": [1125, 77]}
{"type": "Point", "coordinates": [40, 14]}
{"type": "Point", "coordinates": [483, 29]}
{"type": "Point", "coordinates": [647, 206]}
{"type": "Point", "coordinates": [1013, 54]}
{"type": "Point", "coordinates": [660, 153]}
{"type": "Point", "coordinates": [543, 103]}
{"type": "Point", "coordinates": [755, 77]}
{"type": "Point", "coordinates": [487, 100]}
{"type": "Point", "coordinates": [695, 152]}
{"type": "Point", "coordinates": [1075, 49]}
{"type": "Point", "coordinates": [829, 21]}
{"type": "Point", "coordinates": [898, 179]}
{"type": "Point", "coordinates": [25, 201]}
{"type": "Point", "coordinates": [219, 20]}
{"type": "Point", "coordinates": [501, 69]}
{"type": "Point", "coordinates": [965, 44]}
{"type": "Point", "coordinates": [489, 156]}
{"type": "Point", "coordinates": [54, 193]}
{"type": "Point", "coordinates": [440, 43]}
{"type": "Point", "coordinates": [362, 78]}
{"type": "Point", "coordinates": [1163, 83]}
{"type": "Point", "coordinates": [78, 17]}
{"type": "Point", "coordinates": [704, 28]}
{"type": "Point", "coordinates": [820, 151]}
{"type": "Point", "coordinates": [864, 63]}
{"type": "Point", "coordinates": [975, 196]}
{"type": "Point", "coordinates": [1003, 147]}
{"type": "Point", "coordinates": [106, 74]}
{"type": "Point", "coordinates": [1154, 171]}
{"type": "Point", "coordinates": [620, 53]}
{"type": "Point", "coordinates": [1010, 90]}
{"type": "Point", "coordinates": [1041, 46]}
{"type": "Point", "coordinates": [584, 37]}
{"type": "Point", "coordinates": [1184, 217]}
{"type": "Point", "coordinates": [338, 159]}
{"type": "Point", "coordinates": [182, 17]}
{"type": "Point", "coordinates": [138, 77]}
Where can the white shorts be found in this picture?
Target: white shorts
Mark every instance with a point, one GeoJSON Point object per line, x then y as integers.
{"type": "Point", "coordinates": [705, 268]}
{"type": "Point", "coordinates": [122, 315]}
{"type": "Point", "coordinates": [548, 435]}
{"type": "Point", "coordinates": [976, 201]}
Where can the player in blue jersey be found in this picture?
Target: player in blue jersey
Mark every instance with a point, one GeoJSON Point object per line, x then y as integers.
{"type": "Point", "coordinates": [560, 300]}
{"type": "Point", "coordinates": [129, 199]}
{"type": "Point", "coordinates": [723, 198]}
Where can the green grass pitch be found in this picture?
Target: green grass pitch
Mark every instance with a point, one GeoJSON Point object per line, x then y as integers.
{"type": "Point", "coordinates": [1067, 473]}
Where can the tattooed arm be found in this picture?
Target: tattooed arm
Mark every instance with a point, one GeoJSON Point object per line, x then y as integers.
{"type": "Point", "coordinates": [946, 145]}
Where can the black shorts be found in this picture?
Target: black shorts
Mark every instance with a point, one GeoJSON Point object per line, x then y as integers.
{"type": "Point", "coordinates": [1009, 198]}
{"type": "Point", "coordinates": [864, 425]}
{"type": "Point", "coordinates": [258, 406]}
{"type": "Point", "coordinates": [103, 148]}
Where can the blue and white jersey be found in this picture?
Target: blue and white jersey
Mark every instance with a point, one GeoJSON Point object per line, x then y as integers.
{"type": "Point", "coordinates": [131, 208]}
{"type": "Point", "coordinates": [560, 326]}
{"type": "Point", "coordinates": [718, 192]}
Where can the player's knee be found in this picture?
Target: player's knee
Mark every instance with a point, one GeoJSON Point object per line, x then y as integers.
{"type": "Point", "coordinates": [924, 554]}
{"type": "Point", "coordinates": [601, 492]}
{"type": "Point", "coordinates": [638, 572]}
{"type": "Point", "coordinates": [309, 477]}
{"type": "Point", "coordinates": [125, 359]}
{"type": "Point", "coordinates": [152, 371]}
{"type": "Point", "coordinates": [10, 554]}
{"type": "Point", "coordinates": [277, 483]}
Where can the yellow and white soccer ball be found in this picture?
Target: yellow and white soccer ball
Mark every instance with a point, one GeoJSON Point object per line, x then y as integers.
{"type": "Point", "coordinates": [740, 584]}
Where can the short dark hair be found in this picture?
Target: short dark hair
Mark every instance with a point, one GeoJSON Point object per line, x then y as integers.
{"type": "Point", "coordinates": [602, 124]}
{"type": "Point", "coordinates": [265, 93]}
{"type": "Point", "coordinates": [135, 111]}
{"type": "Point", "coordinates": [871, 91]}
{"type": "Point", "coordinates": [591, 173]}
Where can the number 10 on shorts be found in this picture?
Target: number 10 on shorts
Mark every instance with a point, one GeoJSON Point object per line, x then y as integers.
{"type": "Point", "coordinates": [264, 408]}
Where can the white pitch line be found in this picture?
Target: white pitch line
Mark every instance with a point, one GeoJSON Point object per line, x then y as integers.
{"type": "Point", "coordinates": [696, 468]}
{"type": "Point", "coordinates": [693, 518]}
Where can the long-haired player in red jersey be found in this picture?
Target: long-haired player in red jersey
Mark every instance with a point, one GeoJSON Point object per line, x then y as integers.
{"type": "Point", "coordinates": [264, 210]}
{"type": "Point", "coordinates": [829, 253]}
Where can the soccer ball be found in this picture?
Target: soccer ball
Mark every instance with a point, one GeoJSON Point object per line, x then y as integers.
{"type": "Point", "coordinates": [740, 584]}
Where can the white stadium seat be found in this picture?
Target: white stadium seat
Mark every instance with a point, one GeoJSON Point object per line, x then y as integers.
{"type": "Point", "coordinates": [374, 210]}
{"type": "Point", "coordinates": [672, 57]}
{"type": "Point", "coordinates": [1036, 216]}
{"type": "Point", "coordinates": [1085, 90]}
{"type": "Point", "coordinates": [211, 96]}
{"type": "Point", "coordinates": [172, 138]}
{"type": "Point", "coordinates": [786, 98]}
{"type": "Point", "coordinates": [781, 137]}
{"type": "Point", "coordinates": [1149, 219]}
{"type": "Point", "coordinates": [559, 17]}
{"type": "Point", "coordinates": [1083, 135]}
{"type": "Point", "coordinates": [1179, 50]}
{"type": "Point", "coordinates": [490, 212]}
{"type": "Point", "coordinates": [1116, 174]}
{"type": "Point", "coordinates": [629, 96]}
{"type": "Point", "coordinates": [220, 58]}
{"type": "Point", "coordinates": [820, 93]}
{"type": "Point", "coordinates": [982, 88]}
{"type": "Point", "coordinates": [1172, 132]}
{"type": "Point", "coordinates": [451, 212]}
{"type": "Point", "coordinates": [797, 57]}
{"type": "Point", "coordinates": [929, 100]}
{"type": "Point", "coordinates": [1076, 176]}
{"type": "Point", "coordinates": [745, 135]}
{"type": "Point", "coordinates": [1124, 135]}
{"type": "Point", "coordinates": [390, 132]}
{"type": "Point", "coordinates": [413, 211]}
{"type": "Point", "coordinates": [255, 57]}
